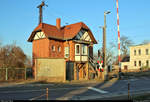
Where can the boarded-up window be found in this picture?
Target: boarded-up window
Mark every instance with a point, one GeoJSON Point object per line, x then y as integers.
{"type": "Point", "coordinates": [125, 67]}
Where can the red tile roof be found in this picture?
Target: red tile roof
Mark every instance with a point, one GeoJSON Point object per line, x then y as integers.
{"type": "Point", "coordinates": [66, 32]}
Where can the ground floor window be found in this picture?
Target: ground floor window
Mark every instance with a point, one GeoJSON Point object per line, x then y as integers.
{"type": "Point", "coordinates": [139, 63]}
{"type": "Point", "coordinates": [134, 63]}
{"type": "Point", "coordinates": [147, 63]}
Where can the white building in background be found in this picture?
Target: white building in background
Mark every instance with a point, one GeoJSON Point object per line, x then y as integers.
{"type": "Point", "coordinates": [139, 57]}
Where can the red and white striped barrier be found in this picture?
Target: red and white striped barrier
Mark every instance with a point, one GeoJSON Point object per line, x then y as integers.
{"type": "Point", "coordinates": [119, 60]}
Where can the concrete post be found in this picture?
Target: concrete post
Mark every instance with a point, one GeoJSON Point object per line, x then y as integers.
{"type": "Point", "coordinates": [46, 93]}
{"type": "Point", "coordinates": [25, 74]}
{"type": "Point", "coordinates": [6, 73]}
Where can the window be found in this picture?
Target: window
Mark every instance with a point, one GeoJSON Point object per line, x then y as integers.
{"type": "Point", "coordinates": [134, 63]}
{"type": "Point", "coordinates": [77, 48]}
{"type": "Point", "coordinates": [139, 52]}
{"type": "Point", "coordinates": [147, 62]}
{"type": "Point", "coordinates": [134, 52]}
{"type": "Point", "coordinates": [84, 49]}
{"type": "Point", "coordinates": [146, 51]}
{"type": "Point", "coordinates": [53, 48]}
{"type": "Point", "coordinates": [59, 49]}
{"type": "Point", "coordinates": [66, 52]}
{"type": "Point", "coordinates": [139, 63]}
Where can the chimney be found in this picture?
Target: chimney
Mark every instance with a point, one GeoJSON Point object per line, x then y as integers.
{"type": "Point", "coordinates": [58, 23]}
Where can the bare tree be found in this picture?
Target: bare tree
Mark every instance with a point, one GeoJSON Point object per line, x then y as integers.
{"type": "Point", "coordinates": [125, 43]}
{"type": "Point", "coordinates": [13, 56]}
{"type": "Point", "coordinates": [146, 42]}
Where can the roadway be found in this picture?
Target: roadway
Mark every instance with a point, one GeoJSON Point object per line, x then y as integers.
{"type": "Point", "coordinates": [70, 91]}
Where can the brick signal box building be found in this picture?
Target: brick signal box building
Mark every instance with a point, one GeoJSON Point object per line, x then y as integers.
{"type": "Point", "coordinates": [62, 53]}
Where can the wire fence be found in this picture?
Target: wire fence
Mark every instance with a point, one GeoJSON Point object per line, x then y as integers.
{"type": "Point", "coordinates": [15, 73]}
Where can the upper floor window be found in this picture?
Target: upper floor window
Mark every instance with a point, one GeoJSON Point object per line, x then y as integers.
{"type": "Point", "coordinates": [84, 49]}
{"type": "Point", "coordinates": [139, 63]}
{"type": "Point", "coordinates": [139, 52]}
{"type": "Point", "coordinates": [77, 49]}
{"type": "Point", "coordinates": [134, 63]}
{"type": "Point", "coordinates": [146, 51]}
{"type": "Point", "coordinates": [53, 48]}
{"type": "Point", "coordinates": [147, 62]}
{"type": "Point", "coordinates": [66, 52]}
{"type": "Point", "coordinates": [59, 49]}
{"type": "Point", "coordinates": [134, 52]}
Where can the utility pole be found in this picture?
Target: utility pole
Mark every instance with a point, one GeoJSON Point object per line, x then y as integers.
{"type": "Point", "coordinates": [40, 11]}
{"type": "Point", "coordinates": [104, 43]}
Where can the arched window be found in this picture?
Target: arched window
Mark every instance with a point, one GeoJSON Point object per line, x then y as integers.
{"type": "Point", "coordinates": [53, 48]}
{"type": "Point", "coordinates": [59, 49]}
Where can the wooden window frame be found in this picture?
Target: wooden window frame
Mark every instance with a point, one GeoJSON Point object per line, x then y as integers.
{"type": "Point", "coordinates": [76, 49]}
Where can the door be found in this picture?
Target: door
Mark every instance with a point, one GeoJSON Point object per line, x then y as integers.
{"type": "Point", "coordinates": [69, 71]}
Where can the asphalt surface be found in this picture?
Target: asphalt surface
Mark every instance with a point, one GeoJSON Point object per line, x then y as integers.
{"type": "Point", "coordinates": [87, 91]}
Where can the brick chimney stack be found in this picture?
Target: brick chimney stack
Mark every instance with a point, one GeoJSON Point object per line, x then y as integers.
{"type": "Point", "coordinates": [58, 23]}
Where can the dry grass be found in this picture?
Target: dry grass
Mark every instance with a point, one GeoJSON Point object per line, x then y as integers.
{"type": "Point", "coordinates": [137, 74]}
{"type": "Point", "coordinates": [142, 97]}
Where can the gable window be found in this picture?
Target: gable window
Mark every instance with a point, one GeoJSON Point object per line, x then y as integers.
{"type": "Point", "coordinates": [139, 52]}
{"type": "Point", "coordinates": [147, 62]}
{"type": "Point", "coordinates": [77, 49]}
{"type": "Point", "coordinates": [59, 49]}
{"type": "Point", "coordinates": [139, 63]}
{"type": "Point", "coordinates": [134, 52]}
{"type": "Point", "coordinates": [146, 51]}
{"type": "Point", "coordinates": [84, 49]}
{"type": "Point", "coordinates": [134, 63]}
{"type": "Point", "coordinates": [53, 48]}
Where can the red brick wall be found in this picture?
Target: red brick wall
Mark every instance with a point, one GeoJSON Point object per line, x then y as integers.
{"type": "Point", "coordinates": [43, 49]}
{"type": "Point", "coordinates": [56, 53]}
{"type": "Point", "coordinates": [40, 48]}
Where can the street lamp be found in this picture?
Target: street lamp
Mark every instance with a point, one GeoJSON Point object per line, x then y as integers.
{"type": "Point", "coordinates": [104, 42]}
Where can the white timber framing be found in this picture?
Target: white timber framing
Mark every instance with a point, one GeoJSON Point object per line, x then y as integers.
{"type": "Point", "coordinates": [39, 35]}
{"type": "Point", "coordinates": [83, 36]}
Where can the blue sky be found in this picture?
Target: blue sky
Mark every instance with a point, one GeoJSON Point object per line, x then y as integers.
{"type": "Point", "coordinates": [18, 18]}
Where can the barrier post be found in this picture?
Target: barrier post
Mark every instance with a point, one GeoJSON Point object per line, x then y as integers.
{"type": "Point", "coordinates": [25, 73]}
{"type": "Point", "coordinates": [128, 90]}
{"type": "Point", "coordinates": [46, 93]}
